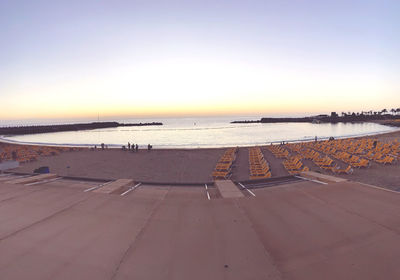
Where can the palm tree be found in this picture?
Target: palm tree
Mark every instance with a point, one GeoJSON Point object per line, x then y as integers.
{"type": "Point", "coordinates": [398, 110]}
{"type": "Point", "coordinates": [384, 111]}
{"type": "Point", "coordinates": [393, 111]}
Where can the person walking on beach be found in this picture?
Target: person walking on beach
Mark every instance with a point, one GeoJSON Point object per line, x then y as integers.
{"type": "Point", "coordinates": [137, 147]}
{"type": "Point", "coordinates": [129, 146]}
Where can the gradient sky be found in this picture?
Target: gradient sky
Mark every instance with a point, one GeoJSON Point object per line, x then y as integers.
{"type": "Point", "coordinates": [149, 58]}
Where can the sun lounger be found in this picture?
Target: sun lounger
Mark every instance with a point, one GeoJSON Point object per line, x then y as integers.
{"type": "Point", "coordinates": [348, 170]}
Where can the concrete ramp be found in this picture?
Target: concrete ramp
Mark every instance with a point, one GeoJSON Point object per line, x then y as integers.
{"type": "Point", "coordinates": [33, 179]}
{"type": "Point", "coordinates": [114, 186]}
{"type": "Point", "coordinates": [322, 177]}
{"type": "Point", "coordinates": [228, 189]}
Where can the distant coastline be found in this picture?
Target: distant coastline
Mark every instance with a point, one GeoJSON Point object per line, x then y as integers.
{"type": "Point", "coordinates": [387, 119]}
{"type": "Point", "coordinates": [35, 129]}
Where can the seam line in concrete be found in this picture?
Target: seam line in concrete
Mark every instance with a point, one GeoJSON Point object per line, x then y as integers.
{"type": "Point", "coordinates": [266, 253]}
{"type": "Point", "coordinates": [354, 213]}
{"type": "Point", "coordinates": [379, 188]}
{"type": "Point", "coordinates": [26, 192]}
{"type": "Point", "coordinates": [42, 220]}
{"type": "Point", "coordinates": [138, 235]}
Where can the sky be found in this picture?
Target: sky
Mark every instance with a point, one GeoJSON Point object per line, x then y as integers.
{"type": "Point", "coordinates": [119, 58]}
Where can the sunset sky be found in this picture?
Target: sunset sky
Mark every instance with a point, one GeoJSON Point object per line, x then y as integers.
{"type": "Point", "coordinates": [153, 58]}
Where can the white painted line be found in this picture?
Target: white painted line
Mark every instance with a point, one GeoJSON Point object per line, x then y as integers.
{"type": "Point", "coordinates": [312, 180]}
{"type": "Point", "coordinates": [253, 194]}
{"type": "Point", "coordinates": [96, 187]}
{"type": "Point", "coordinates": [92, 188]}
{"type": "Point", "coordinates": [22, 176]}
{"type": "Point", "coordinates": [42, 182]}
{"type": "Point", "coordinates": [379, 188]}
{"type": "Point", "coordinates": [131, 189]}
{"type": "Point", "coordinates": [208, 195]}
{"type": "Point", "coordinates": [13, 177]}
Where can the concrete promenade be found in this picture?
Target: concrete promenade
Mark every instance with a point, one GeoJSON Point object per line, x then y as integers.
{"type": "Point", "coordinates": [302, 230]}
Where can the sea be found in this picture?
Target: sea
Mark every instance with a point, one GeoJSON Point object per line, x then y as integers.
{"type": "Point", "coordinates": [194, 132]}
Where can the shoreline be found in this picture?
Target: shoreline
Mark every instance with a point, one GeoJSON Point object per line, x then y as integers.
{"type": "Point", "coordinates": [194, 165]}
{"type": "Point", "coordinates": [172, 147]}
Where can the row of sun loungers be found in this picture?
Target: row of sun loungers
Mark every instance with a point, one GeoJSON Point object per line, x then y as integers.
{"type": "Point", "coordinates": [223, 169]}
{"type": "Point", "coordinates": [27, 153]}
{"type": "Point", "coordinates": [294, 165]}
{"type": "Point", "coordinates": [278, 151]}
{"type": "Point", "coordinates": [356, 153]}
{"type": "Point", "coordinates": [259, 167]}
{"type": "Point", "coordinates": [359, 153]}
{"type": "Point", "coordinates": [322, 161]}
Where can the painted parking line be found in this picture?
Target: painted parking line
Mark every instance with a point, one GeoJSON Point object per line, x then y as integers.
{"type": "Point", "coordinates": [131, 189]}
{"type": "Point", "coordinates": [97, 187]}
{"type": "Point", "coordinates": [13, 177]}
{"type": "Point", "coordinates": [379, 188]}
{"type": "Point", "coordinates": [42, 182]}
{"type": "Point", "coordinates": [253, 194]}
{"type": "Point", "coordinates": [208, 194]}
{"type": "Point", "coordinates": [312, 180]}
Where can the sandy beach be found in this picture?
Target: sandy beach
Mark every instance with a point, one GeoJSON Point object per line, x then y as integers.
{"type": "Point", "coordinates": [191, 165]}
{"type": "Point", "coordinates": [152, 166]}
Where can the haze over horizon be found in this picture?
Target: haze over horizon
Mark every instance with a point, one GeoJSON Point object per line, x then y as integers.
{"type": "Point", "coordinates": [170, 58]}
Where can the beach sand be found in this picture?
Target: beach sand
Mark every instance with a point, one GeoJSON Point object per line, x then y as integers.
{"type": "Point", "coordinates": [190, 165]}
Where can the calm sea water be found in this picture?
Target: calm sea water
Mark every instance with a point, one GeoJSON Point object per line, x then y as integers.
{"type": "Point", "coordinates": [203, 132]}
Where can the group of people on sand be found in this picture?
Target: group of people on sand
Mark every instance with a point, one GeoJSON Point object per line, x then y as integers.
{"type": "Point", "coordinates": [102, 145]}
{"type": "Point", "coordinates": [132, 147]}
